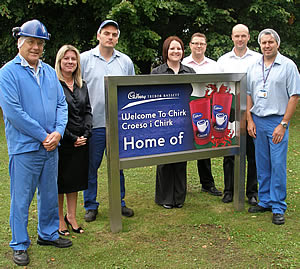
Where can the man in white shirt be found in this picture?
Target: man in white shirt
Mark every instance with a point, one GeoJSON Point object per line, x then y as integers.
{"type": "Point", "coordinates": [240, 57]}
{"type": "Point", "coordinates": [197, 60]}
{"type": "Point", "coordinates": [236, 61]}
{"type": "Point", "coordinates": [201, 65]}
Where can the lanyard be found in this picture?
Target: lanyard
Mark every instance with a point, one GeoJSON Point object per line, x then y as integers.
{"type": "Point", "coordinates": [263, 71]}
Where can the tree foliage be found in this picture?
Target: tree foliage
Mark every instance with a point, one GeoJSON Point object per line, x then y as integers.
{"type": "Point", "coordinates": [144, 24]}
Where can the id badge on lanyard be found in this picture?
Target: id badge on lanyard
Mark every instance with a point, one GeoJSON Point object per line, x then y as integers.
{"type": "Point", "coordinates": [263, 93]}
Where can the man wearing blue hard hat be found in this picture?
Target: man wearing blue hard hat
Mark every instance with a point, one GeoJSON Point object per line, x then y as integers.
{"type": "Point", "coordinates": [96, 63]}
{"type": "Point", "coordinates": [35, 116]}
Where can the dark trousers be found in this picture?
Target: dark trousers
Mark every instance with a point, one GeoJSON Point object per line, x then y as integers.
{"type": "Point", "coordinates": [204, 172]}
{"type": "Point", "coordinates": [170, 184]}
{"type": "Point", "coordinates": [228, 167]}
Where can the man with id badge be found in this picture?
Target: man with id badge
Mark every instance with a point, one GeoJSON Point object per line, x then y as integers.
{"type": "Point", "coordinates": [273, 89]}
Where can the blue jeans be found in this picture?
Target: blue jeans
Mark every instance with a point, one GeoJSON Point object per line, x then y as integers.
{"type": "Point", "coordinates": [97, 146]}
{"type": "Point", "coordinates": [271, 163]}
{"type": "Point", "coordinates": [28, 171]}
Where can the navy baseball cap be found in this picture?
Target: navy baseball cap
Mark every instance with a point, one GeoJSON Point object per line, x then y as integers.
{"type": "Point", "coordinates": [108, 22]}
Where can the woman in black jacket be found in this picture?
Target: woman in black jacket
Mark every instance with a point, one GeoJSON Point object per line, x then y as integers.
{"type": "Point", "coordinates": [171, 178]}
{"type": "Point", "coordinates": [74, 150]}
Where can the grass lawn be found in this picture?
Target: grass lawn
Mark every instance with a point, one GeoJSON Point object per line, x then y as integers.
{"type": "Point", "coordinates": [205, 233]}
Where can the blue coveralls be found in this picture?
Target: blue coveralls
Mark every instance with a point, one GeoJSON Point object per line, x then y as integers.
{"type": "Point", "coordinates": [33, 106]}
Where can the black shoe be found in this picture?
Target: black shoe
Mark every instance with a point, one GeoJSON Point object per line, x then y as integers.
{"type": "Point", "coordinates": [90, 215]}
{"type": "Point", "coordinates": [79, 230]}
{"type": "Point", "coordinates": [63, 232]}
{"type": "Point", "coordinates": [127, 212]}
{"type": "Point", "coordinates": [259, 209]}
{"type": "Point", "coordinates": [167, 206]}
{"type": "Point", "coordinates": [278, 219]}
{"type": "Point", "coordinates": [59, 243]}
{"type": "Point", "coordinates": [20, 257]}
{"type": "Point", "coordinates": [252, 200]}
{"type": "Point", "coordinates": [227, 198]}
{"type": "Point", "coordinates": [212, 190]}
{"type": "Point", "coordinates": [179, 205]}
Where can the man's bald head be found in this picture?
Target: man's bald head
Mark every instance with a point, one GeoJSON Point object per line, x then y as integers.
{"type": "Point", "coordinates": [240, 37]}
{"type": "Point", "coordinates": [240, 28]}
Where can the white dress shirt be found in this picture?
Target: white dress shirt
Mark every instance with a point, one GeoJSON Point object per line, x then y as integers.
{"type": "Point", "coordinates": [207, 66]}
{"type": "Point", "coordinates": [231, 63]}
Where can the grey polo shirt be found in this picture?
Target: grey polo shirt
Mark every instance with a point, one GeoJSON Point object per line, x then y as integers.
{"type": "Point", "coordinates": [94, 67]}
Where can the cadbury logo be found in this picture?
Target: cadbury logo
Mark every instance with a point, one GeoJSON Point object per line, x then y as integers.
{"type": "Point", "coordinates": [136, 96]}
{"type": "Point", "coordinates": [217, 108]}
{"type": "Point", "coordinates": [197, 116]}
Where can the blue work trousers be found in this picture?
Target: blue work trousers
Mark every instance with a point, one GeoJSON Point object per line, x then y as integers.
{"type": "Point", "coordinates": [97, 146]}
{"type": "Point", "coordinates": [271, 163]}
{"type": "Point", "coordinates": [28, 171]}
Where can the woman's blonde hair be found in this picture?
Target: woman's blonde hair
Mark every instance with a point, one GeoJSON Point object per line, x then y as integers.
{"type": "Point", "coordinates": [77, 73]}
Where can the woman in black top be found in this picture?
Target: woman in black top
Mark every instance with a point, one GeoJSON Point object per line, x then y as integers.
{"type": "Point", "coordinates": [73, 152]}
{"type": "Point", "coordinates": [171, 178]}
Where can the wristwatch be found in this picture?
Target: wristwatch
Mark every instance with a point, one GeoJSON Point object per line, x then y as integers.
{"type": "Point", "coordinates": [284, 124]}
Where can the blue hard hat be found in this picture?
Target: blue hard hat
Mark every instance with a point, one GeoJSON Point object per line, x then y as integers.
{"type": "Point", "coordinates": [33, 28]}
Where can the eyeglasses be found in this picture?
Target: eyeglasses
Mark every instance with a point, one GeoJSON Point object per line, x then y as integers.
{"type": "Point", "coordinates": [198, 44]}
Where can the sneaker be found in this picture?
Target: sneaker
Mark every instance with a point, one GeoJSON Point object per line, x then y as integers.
{"type": "Point", "coordinates": [127, 212]}
{"type": "Point", "coordinates": [20, 257]}
{"type": "Point", "coordinates": [90, 215]}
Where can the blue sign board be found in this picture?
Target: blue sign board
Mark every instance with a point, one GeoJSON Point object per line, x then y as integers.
{"type": "Point", "coordinates": [154, 119]}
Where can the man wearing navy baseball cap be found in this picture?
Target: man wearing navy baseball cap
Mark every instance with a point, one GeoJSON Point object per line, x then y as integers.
{"type": "Point", "coordinates": [96, 63]}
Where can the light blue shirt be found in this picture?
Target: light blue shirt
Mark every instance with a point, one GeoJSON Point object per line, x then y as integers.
{"type": "Point", "coordinates": [94, 67]}
{"type": "Point", "coordinates": [35, 73]}
{"type": "Point", "coordinates": [30, 110]}
{"type": "Point", "coordinates": [282, 82]}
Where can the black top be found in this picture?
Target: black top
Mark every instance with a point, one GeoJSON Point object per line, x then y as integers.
{"type": "Point", "coordinates": [79, 113]}
{"type": "Point", "coordinates": [165, 69]}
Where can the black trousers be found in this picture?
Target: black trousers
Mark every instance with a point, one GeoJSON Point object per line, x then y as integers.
{"type": "Point", "coordinates": [170, 184]}
{"type": "Point", "coordinates": [204, 172]}
{"type": "Point", "coordinates": [228, 167]}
